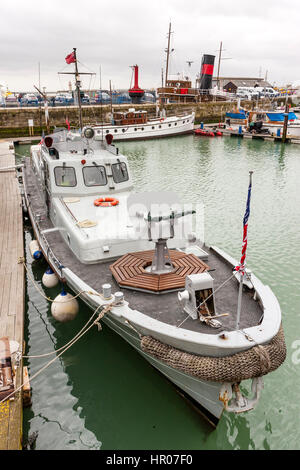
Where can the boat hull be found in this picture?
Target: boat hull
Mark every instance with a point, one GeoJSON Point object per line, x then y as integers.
{"type": "Point", "coordinates": [292, 130]}
{"type": "Point", "coordinates": [203, 393]}
{"type": "Point", "coordinates": [168, 127]}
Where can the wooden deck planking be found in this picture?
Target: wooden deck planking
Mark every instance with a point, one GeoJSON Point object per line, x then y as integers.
{"type": "Point", "coordinates": [129, 271]}
{"type": "Point", "coordinates": [12, 289]}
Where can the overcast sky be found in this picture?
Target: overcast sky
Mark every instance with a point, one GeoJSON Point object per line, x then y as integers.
{"type": "Point", "coordinates": [257, 35]}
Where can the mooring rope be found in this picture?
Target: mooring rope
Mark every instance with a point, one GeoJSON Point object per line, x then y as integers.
{"type": "Point", "coordinates": [65, 348]}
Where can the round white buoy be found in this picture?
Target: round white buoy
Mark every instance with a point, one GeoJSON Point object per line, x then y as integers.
{"type": "Point", "coordinates": [35, 250]}
{"type": "Point", "coordinates": [65, 307]}
{"type": "Point", "coordinates": [49, 278]}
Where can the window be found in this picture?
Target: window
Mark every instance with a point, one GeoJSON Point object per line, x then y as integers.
{"type": "Point", "coordinates": [116, 130]}
{"type": "Point", "coordinates": [107, 131]}
{"type": "Point", "coordinates": [119, 172]}
{"type": "Point", "coordinates": [65, 176]}
{"type": "Point", "coordinates": [123, 130]}
{"type": "Point", "coordinates": [169, 125]}
{"type": "Point", "coordinates": [135, 129]}
{"type": "Point", "coordinates": [94, 175]}
{"type": "Point", "coordinates": [183, 122]}
{"type": "Point", "coordinates": [153, 127]}
{"type": "Point", "coordinates": [159, 126]}
{"type": "Point", "coordinates": [175, 124]}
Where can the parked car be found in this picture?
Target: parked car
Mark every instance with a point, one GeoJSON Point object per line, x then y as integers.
{"type": "Point", "coordinates": [29, 100]}
{"type": "Point", "coordinates": [11, 100]}
{"type": "Point", "coordinates": [148, 98]}
{"type": "Point", "coordinates": [63, 99]}
{"type": "Point", "coordinates": [102, 97]}
{"type": "Point", "coordinates": [85, 99]}
{"type": "Point", "coordinates": [267, 92]}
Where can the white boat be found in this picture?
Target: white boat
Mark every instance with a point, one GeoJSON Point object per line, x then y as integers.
{"type": "Point", "coordinates": [135, 125]}
{"type": "Point", "coordinates": [159, 283]}
{"type": "Point", "coordinates": [273, 121]}
{"type": "Point", "coordinates": [264, 121]}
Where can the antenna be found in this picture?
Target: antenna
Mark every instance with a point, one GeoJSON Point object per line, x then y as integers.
{"type": "Point", "coordinates": [189, 62]}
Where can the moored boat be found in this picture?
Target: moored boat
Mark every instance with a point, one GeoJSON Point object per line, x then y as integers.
{"type": "Point", "coordinates": [204, 132]}
{"type": "Point", "coordinates": [158, 284]}
{"type": "Point", "coordinates": [135, 125]}
{"type": "Point", "coordinates": [197, 315]}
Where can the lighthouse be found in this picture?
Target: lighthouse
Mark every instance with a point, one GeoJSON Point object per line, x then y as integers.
{"type": "Point", "coordinates": [136, 93]}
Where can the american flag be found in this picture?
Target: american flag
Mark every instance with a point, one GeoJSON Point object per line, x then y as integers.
{"type": "Point", "coordinates": [241, 266]}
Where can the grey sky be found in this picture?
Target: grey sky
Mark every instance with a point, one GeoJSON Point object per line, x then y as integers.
{"type": "Point", "coordinates": [116, 34]}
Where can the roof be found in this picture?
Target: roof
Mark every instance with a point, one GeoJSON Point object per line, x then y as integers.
{"type": "Point", "coordinates": [242, 81]}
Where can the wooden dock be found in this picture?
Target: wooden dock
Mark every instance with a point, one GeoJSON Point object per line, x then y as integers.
{"type": "Point", "coordinates": [248, 135]}
{"type": "Point", "coordinates": [12, 291]}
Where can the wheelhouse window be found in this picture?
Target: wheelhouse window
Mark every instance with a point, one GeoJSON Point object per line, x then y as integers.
{"type": "Point", "coordinates": [65, 176]}
{"type": "Point", "coordinates": [94, 175]}
{"type": "Point", "coordinates": [119, 172]}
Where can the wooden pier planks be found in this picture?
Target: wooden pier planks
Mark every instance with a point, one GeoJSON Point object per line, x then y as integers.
{"type": "Point", "coordinates": [12, 290]}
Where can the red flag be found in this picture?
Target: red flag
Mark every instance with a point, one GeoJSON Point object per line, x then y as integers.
{"type": "Point", "coordinates": [68, 124]}
{"type": "Point", "coordinates": [70, 58]}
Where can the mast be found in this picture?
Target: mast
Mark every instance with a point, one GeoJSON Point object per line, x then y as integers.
{"type": "Point", "coordinates": [77, 80]}
{"type": "Point", "coordinates": [77, 84]}
{"type": "Point", "coordinates": [168, 54]}
{"type": "Point", "coordinates": [219, 64]}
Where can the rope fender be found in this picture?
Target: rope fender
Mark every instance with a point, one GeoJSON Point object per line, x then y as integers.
{"type": "Point", "coordinates": [255, 362]}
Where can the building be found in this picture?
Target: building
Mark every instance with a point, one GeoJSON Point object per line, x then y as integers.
{"type": "Point", "coordinates": [231, 84]}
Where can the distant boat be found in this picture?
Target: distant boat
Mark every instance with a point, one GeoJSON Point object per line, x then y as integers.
{"type": "Point", "coordinates": [271, 121]}
{"type": "Point", "coordinates": [134, 125]}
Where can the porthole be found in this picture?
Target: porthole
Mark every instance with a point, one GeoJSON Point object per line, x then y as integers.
{"type": "Point", "coordinates": [153, 127]}
{"type": "Point", "coordinates": [169, 125]}
{"type": "Point", "coordinates": [116, 130]}
{"type": "Point", "coordinates": [107, 131]}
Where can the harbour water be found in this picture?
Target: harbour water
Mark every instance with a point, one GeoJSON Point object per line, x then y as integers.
{"type": "Point", "coordinates": [101, 394]}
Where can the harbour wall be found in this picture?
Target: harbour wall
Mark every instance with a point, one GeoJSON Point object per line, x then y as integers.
{"type": "Point", "coordinates": [14, 121]}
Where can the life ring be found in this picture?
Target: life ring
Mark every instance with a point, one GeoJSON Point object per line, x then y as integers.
{"type": "Point", "coordinates": [106, 202]}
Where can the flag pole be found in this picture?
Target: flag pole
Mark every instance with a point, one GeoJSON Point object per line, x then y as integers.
{"type": "Point", "coordinates": [77, 83]}
{"type": "Point", "coordinates": [241, 266]}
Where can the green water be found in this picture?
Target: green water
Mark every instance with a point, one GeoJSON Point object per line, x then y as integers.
{"type": "Point", "coordinates": [101, 394]}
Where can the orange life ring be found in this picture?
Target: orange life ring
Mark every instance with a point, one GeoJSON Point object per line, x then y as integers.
{"type": "Point", "coordinates": [106, 202]}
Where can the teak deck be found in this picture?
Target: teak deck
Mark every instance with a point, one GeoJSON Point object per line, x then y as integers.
{"type": "Point", "coordinates": [129, 271]}
{"type": "Point", "coordinates": [11, 290]}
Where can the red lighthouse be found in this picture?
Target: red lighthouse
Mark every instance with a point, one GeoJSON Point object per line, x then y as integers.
{"type": "Point", "coordinates": [136, 93]}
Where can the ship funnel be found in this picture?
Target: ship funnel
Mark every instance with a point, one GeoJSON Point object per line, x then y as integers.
{"type": "Point", "coordinates": [207, 68]}
{"type": "Point", "coordinates": [136, 93]}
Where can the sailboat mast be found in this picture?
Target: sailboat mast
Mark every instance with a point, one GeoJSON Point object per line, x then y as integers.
{"type": "Point", "coordinates": [168, 54]}
{"type": "Point", "coordinates": [77, 84]}
{"type": "Point", "coordinates": [219, 64]}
